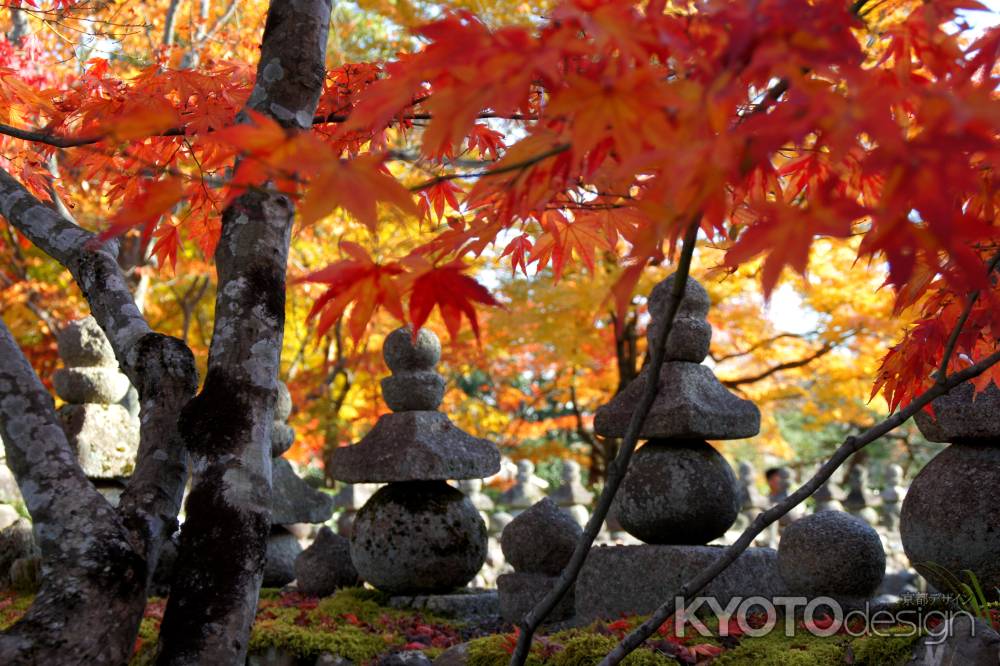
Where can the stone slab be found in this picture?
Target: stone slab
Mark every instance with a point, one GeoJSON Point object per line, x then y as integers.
{"type": "Point", "coordinates": [961, 414]}
{"type": "Point", "coordinates": [520, 592]}
{"type": "Point", "coordinates": [473, 602]}
{"type": "Point", "coordinates": [415, 446]}
{"type": "Point", "coordinates": [690, 404]}
{"type": "Point", "coordinates": [959, 641]}
{"type": "Point", "coordinates": [294, 500]}
{"type": "Point", "coordinates": [618, 580]}
{"type": "Point", "coordinates": [104, 437]}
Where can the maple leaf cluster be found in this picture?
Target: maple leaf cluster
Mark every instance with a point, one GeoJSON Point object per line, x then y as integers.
{"type": "Point", "coordinates": [607, 129]}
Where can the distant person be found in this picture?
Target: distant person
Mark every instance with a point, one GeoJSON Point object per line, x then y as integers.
{"type": "Point", "coordinates": [773, 476]}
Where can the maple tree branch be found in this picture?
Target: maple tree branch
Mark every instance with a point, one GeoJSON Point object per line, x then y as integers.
{"type": "Point", "coordinates": [850, 446]}
{"type": "Point", "coordinates": [759, 344]}
{"type": "Point", "coordinates": [949, 348]}
{"type": "Point", "coordinates": [616, 471]}
{"type": "Point", "coordinates": [160, 367]}
{"type": "Point", "coordinates": [507, 168]}
{"type": "Point", "coordinates": [788, 365]}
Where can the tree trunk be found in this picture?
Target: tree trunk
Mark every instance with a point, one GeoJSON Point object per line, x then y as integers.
{"type": "Point", "coordinates": [227, 428]}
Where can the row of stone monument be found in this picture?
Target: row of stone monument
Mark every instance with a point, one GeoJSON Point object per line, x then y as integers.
{"type": "Point", "coordinates": [407, 531]}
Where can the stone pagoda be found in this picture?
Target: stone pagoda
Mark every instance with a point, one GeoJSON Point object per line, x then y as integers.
{"type": "Point", "coordinates": [417, 534]}
{"type": "Point", "coordinates": [679, 492]}
{"type": "Point", "coordinates": [103, 434]}
{"type": "Point", "coordinates": [949, 522]}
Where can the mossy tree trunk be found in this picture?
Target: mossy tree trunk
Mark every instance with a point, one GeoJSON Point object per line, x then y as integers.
{"type": "Point", "coordinates": [97, 560]}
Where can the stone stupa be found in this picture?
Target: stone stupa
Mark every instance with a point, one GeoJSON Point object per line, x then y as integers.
{"type": "Point", "coordinates": [417, 534]}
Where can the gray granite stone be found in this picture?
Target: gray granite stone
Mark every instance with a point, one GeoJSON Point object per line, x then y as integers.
{"type": "Point", "coordinates": [325, 566]}
{"type": "Point", "coordinates": [97, 385]}
{"type": "Point", "coordinates": [405, 658]}
{"type": "Point", "coordinates": [961, 414]}
{"type": "Point", "coordinates": [831, 553]}
{"type": "Point", "coordinates": [690, 404]}
{"type": "Point", "coordinates": [415, 446]}
{"type": "Point", "coordinates": [283, 402]}
{"type": "Point", "coordinates": [958, 641]}
{"type": "Point", "coordinates": [17, 541]}
{"type": "Point", "coordinates": [279, 563]}
{"type": "Point", "coordinates": [418, 537]}
{"type": "Point", "coordinates": [295, 501]}
{"type": "Point", "coordinates": [520, 592]}
{"type": "Point", "coordinates": [83, 343]}
{"type": "Point", "coordinates": [131, 402]}
{"type": "Point", "coordinates": [282, 438]}
{"type": "Point", "coordinates": [105, 438]}
{"type": "Point", "coordinates": [473, 489]}
{"type": "Point", "coordinates": [678, 492]}
{"type": "Point", "coordinates": [465, 603]}
{"type": "Point", "coordinates": [456, 655]}
{"type": "Point", "coordinates": [637, 579]}
{"type": "Point", "coordinates": [540, 540]}
{"type": "Point", "coordinates": [949, 517]}
{"type": "Point", "coordinates": [420, 390]}
{"type": "Point", "coordinates": [403, 354]}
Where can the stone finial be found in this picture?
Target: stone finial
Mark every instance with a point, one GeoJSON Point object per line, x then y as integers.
{"type": "Point", "coordinates": [473, 489]}
{"type": "Point", "coordinates": [414, 384]}
{"type": "Point", "coordinates": [82, 343]}
{"type": "Point", "coordinates": [415, 442]}
{"type": "Point", "coordinates": [572, 491]}
{"type": "Point", "coordinates": [691, 333]}
{"type": "Point", "coordinates": [540, 540]}
{"type": "Point", "coordinates": [690, 402]}
{"type": "Point", "coordinates": [961, 414]}
{"type": "Point", "coordinates": [859, 499]}
{"type": "Point", "coordinates": [527, 488]}
{"type": "Point", "coordinates": [892, 496]}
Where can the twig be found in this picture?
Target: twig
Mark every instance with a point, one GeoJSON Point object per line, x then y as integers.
{"type": "Point", "coordinates": [850, 446]}
{"type": "Point", "coordinates": [949, 347]}
{"type": "Point", "coordinates": [616, 471]}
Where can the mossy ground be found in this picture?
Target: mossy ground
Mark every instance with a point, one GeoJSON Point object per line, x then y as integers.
{"type": "Point", "coordinates": [356, 623]}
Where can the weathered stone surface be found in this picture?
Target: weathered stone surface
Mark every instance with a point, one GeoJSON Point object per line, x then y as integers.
{"type": "Point", "coordinates": [405, 658]}
{"type": "Point", "coordinates": [831, 553]}
{"type": "Point", "coordinates": [8, 516]}
{"type": "Point", "coordinates": [282, 549]}
{"type": "Point", "coordinates": [9, 492]}
{"type": "Point", "coordinates": [637, 579]}
{"type": "Point", "coordinates": [961, 414]}
{"type": "Point", "coordinates": [295, 501]}
{"type": "Point", "coordinates": [540, 540]}
{"type": "Point", "coordinates": [959, 641]}
{"type": "Point", "coordinates": [520, 592]}
{"type": "Point", "coordinates": [282, 437]}
{"type": "Point", "coordinates": [528, 488]}
{"type": "Point", "coordinates": [105, 438]}
{"type": "Point", "coordinates": [689, 340]}
{"type": "Point", "coordinates": [413, 446]}
{"type": "Point", "coordinates": [16, 542]}
{"type": "Point", "coordinates": [694, 304]}
{"type": "Point", "coordinates": [326, 565]}
{"type": "Point", "coordinates": [456, 655]}
{"type": "Point", "coordinates": [950, 518]}
{"type": "Point", "coordinates": [327, 659]}
{"type": "Point", "coordinates": [690, 404]}
{"type": "Point", "coordinates": [402, 354]}
{"type": "Point", "coordinates": [131, 402]}
{"type": "Point", "coordinates": [678, 492]}
{"type": "Point", "coordinates": [283, 403]}
{"type": "Point", "coordinates": [97, 385]}
{"type": "Point", "coordinates": [413, 391]}
{"type": "Point", "coordinates": [465, 603]}
{"type": "Point", "coordinates": [418, 536]}
{"type": "Point", "coordinates": [83, 343]}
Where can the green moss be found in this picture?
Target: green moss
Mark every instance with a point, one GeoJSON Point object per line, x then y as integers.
{"type": "Point", "coordinates": [495, 651]}
{"type": "Point", "coordinates": [350, 642]}
{"type": "Point", "coordinates": [883, 650]}
{"type": "Point", "coordinates": [776, 649]}
{"type": "Point", "coordinates": [589, 649]}
{"type": "Point", "coordinates": [366, 605]}
{"type": "Point", "coordinates": [12, 607]}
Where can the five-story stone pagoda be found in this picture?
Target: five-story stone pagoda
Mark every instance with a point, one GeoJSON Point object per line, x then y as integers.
{"type": "Point", "coordinates": [679, 492]}
{"type": "Point", "coordinates": [417, 534]}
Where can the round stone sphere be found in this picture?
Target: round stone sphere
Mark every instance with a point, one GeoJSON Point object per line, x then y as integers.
{"type": "Point", "coordinates": [540, 540]}
{"type": "Point", "coordinates": [416, 537]}
{"type": "Point", "coordinates": [831, 553]}
{"type": "Point", "coordinates": [950, 519]}
{"type": "Point", "coordinates": [404, 354]}
{"type": "Point", "coordinates": [678, 492]}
